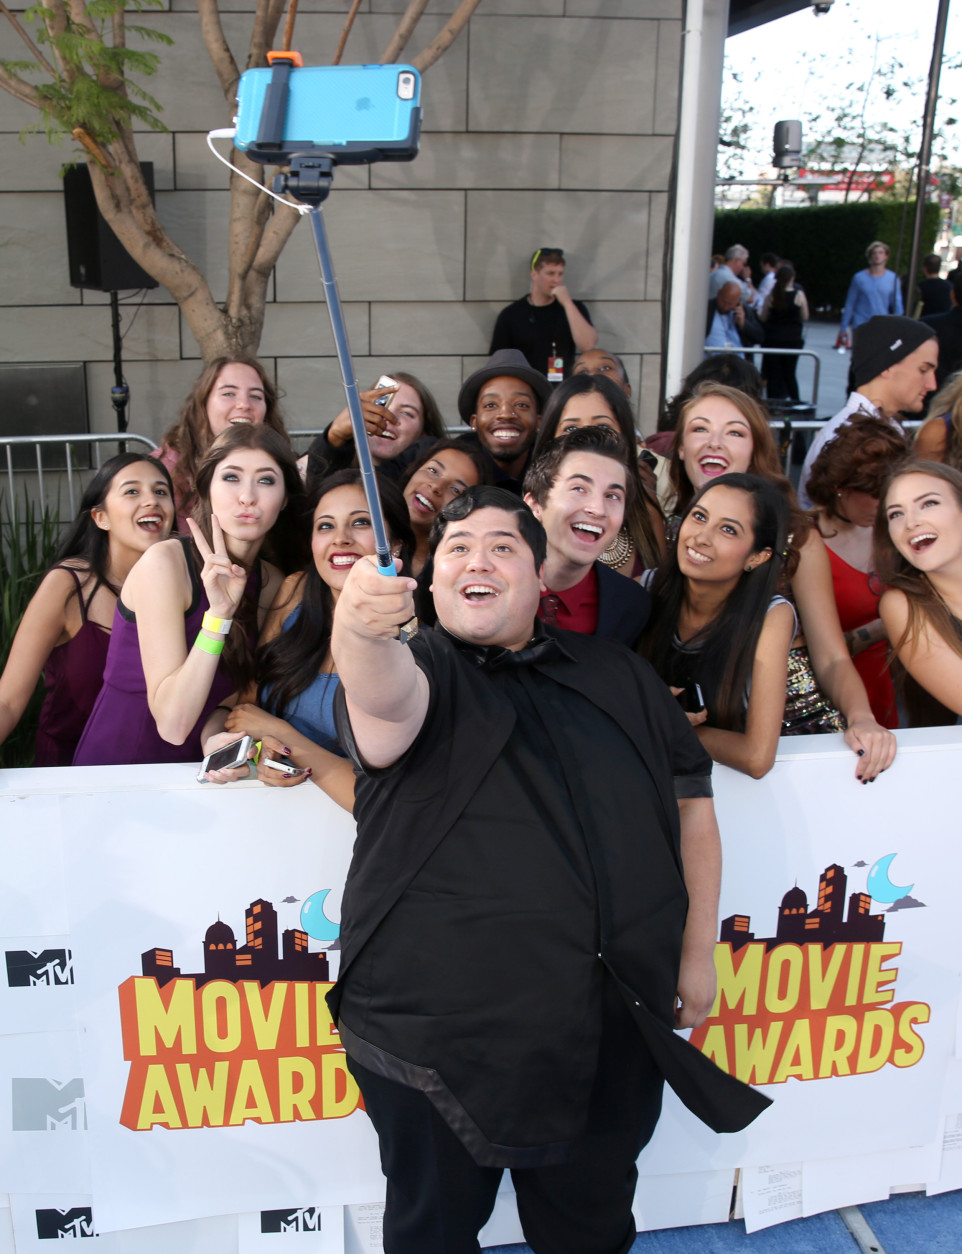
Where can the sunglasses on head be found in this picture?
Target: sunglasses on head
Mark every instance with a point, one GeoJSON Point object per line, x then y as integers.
{"type": "Point", "coordinates": [547, 254]}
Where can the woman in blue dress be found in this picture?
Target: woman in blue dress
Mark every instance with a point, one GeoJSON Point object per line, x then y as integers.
{"type": "Point", "coordinates": [293, 697]}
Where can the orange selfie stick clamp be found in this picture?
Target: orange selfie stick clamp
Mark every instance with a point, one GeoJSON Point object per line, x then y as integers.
{"type": "Point", "coordinates": [295, 58]}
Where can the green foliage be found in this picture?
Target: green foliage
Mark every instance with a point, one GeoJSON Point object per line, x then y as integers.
{"type": "Point", "coordinates": [92, 86]}
{"type": "Point", "coordinates": [825, 243]}
{"type": "Point", "coordinates": [28, 541]}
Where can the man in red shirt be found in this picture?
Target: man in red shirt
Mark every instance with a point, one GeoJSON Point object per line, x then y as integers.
{"type": "Point", "coordinates": [578, 489]}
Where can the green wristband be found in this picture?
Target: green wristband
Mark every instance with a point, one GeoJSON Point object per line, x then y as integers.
{"type": "Point", "coordinates": [215, 647]}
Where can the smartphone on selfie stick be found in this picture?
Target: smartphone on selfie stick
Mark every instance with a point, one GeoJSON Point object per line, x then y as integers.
{"type": "Point", "coordinates": [317, 117]}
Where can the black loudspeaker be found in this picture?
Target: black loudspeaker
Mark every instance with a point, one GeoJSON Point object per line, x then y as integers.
{"type": "Point", "coordinates": [98, 261]}
{"type": "Point", "coordinates": [787, 143]}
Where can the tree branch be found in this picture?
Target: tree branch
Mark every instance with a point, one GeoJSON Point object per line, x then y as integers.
{"type": "Point", "coordinates": [348, 23]}
{"type": "Point", "coordinates": [115, 82]}
{"type": "Point", "coordinates": [405, 29]}
{"type": "Point", "coordinates": [277, 233]}
{"type": "Point", "coordinates": [267, 18]}
{"type": "Point", "coordinates": [20, 89]}
{"type": "Point", "coordinates": [34, 50]}
{"type": "Point", "coordinates": [222, 59]}
{"type": "Point", "coordinates": [55, 20]}
{"type": "Point", "coordinates": [249, 211]}
{"type": "Point", "coordinates": [289, 26]}
{"type": "Point", "coordinates": [438, 46]}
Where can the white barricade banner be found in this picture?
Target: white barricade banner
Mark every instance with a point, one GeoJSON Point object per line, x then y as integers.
{"type": "Point", "coordinates": [194, 1070]}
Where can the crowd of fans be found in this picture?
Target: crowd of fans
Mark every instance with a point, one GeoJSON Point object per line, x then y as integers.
{"type": "Point", "coordinates": [192, 601]}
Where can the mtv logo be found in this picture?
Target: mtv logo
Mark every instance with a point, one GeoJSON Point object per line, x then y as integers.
{"type": "Point", "coordinates": [300, 1219]}
{"type": "Point", "coordinates": [61, 1225]}
{"type": "Point", "coordinates": [41, 1105]}
{"type": "Point", "coordinates": [27, 968]}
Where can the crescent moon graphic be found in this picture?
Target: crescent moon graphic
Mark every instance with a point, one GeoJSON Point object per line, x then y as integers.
{"type": "Point", "coordinates": [879, 884]}
{"type": "Point", "coordinates": [315, 922]}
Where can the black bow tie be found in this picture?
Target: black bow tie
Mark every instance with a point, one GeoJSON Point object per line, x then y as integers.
{"type": "Point", "coordinates": [540, 648]}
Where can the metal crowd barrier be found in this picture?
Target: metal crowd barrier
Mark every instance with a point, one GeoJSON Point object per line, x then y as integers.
{"type": "Point", "coordinates": [777, 352]}
{"type": "Point", "coordinates": [70, 456]}
{"type": "Point", "coordinates": [66, 463]}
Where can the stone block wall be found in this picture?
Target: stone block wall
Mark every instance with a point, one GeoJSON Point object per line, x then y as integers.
{"type": "Point", "coordinates": [547, 122]}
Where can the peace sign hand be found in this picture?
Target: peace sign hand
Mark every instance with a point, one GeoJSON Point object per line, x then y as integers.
{"type": "Point", "coordinates": [224, 581]}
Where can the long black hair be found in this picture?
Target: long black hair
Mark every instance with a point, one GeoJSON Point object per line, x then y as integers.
{"type": "Point", "coordinates": [289, 663]}
{"type": "Point", "coordinates": [723, 661]}
{"type": "Point", "coordinates": [84, 540]}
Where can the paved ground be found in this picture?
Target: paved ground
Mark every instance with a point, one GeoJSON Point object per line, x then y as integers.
{"type": "Point", "coordinates": [909, 1223]}
{"type": "Point", "coordinates": [833, 379]}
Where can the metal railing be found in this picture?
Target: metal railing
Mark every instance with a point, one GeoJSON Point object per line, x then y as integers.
{"type": "Point", "coordinates": [70, 461]}
{"type": "Point", "coordinates": [776, 352]}
{"type": "Point", "coordinates": [66, 467]}
{"type": "Point", "coordinates": [784, 428]}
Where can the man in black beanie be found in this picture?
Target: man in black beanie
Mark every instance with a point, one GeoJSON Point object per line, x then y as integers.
{"type": "Point", "coordinates": [893, 365]}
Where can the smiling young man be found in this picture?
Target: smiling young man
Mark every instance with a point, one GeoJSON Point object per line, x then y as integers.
{"type": "Point", "coordinates": [578, 490]}
{"type": "Point", "coordinates": [531, 905]}
{"type": "Point", "coordinates": [894, 361]}
{"type": "Point", "coordinates": [502, 404]}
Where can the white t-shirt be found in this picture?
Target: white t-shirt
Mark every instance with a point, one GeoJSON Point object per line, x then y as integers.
{"type": "Point", "coordinates": [856, 404]}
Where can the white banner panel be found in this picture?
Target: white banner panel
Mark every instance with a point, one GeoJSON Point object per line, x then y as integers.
{"type": "Point", "coordinates": [197, 924]}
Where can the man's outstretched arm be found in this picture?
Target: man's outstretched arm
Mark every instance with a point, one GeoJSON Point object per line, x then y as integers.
{"type": "Point", "coordinates": [387, 695]}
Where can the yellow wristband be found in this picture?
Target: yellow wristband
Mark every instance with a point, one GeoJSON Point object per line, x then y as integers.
{"type": "Point", "coordinates": [215, 647]}
{"type": "Point", "coordinates": [219, 626]}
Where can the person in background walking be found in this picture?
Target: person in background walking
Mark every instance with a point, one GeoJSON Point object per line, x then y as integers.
{"type": "Point", "coordinates": [874, 290]}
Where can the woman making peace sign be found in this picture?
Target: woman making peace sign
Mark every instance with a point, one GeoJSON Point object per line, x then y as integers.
{"type": "Point", "coordinates": [174, 653]}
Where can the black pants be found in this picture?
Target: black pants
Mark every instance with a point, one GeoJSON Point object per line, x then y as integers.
{"type": "Point", "coordinates": [438, 1198]}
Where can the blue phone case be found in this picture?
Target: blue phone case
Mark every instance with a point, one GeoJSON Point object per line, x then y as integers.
{"type": "Point", "coordinates": [355, 113]}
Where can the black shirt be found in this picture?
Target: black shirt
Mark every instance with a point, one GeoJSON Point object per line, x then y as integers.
{"type": "Point", "coordinates": [935, 295]}
{"type": "Point", "coordinates": [539, 331]}
{"type": "Point", "coordinates": [525, 845]}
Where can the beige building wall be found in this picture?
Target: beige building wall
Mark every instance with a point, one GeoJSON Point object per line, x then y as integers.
{"type": "Point", "coordinates": [547, 122]}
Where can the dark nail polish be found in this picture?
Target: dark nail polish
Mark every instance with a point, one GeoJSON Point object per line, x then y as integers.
{"type": "Point", "coordinates": [861, 753]}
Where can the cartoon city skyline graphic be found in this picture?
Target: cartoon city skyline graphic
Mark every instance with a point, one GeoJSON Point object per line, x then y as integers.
{"type": "Point", "coordinates": [259, 958]}
{"type": "Point", "coordinates": [827, 922]}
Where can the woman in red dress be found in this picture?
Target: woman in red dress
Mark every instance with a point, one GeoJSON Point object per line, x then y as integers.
{"type": "Point", "coordinates": [848, 477]}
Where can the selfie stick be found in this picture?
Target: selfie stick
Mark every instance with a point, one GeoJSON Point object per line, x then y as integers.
{"type": "Point", "coordinates": [385, 563]}
{"type": "Point", "coordinates": [309, 181]}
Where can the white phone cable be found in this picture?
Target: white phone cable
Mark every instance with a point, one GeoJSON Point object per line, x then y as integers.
{"type": "Point", "coordinates": [228, 132]}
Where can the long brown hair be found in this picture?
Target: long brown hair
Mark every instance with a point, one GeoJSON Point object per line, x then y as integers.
{"type": "Point", "coordinates": [948, 401]}
{"type": "Point", "coordinates": [285, 543]}
{"type": "Point", "coordinates": [925, 606]}
{"type": "Point", "coordinates": [190, 437]}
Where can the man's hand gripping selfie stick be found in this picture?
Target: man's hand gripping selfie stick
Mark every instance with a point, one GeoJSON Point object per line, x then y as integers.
{"type": "Point", "coordinates": [309, 181]}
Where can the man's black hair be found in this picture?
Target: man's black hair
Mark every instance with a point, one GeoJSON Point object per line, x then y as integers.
{"type": "Point", "coordinates": [483, 496]}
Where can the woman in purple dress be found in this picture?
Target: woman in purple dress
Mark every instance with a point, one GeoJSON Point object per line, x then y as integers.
{"type": "Point", "coordinates": [65, 630]}
{"type": "Point", "coordinates": [186, 622]}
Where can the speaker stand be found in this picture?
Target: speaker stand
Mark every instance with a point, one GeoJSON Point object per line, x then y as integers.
{"type": "Point", "coordinates": [120, 392]}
